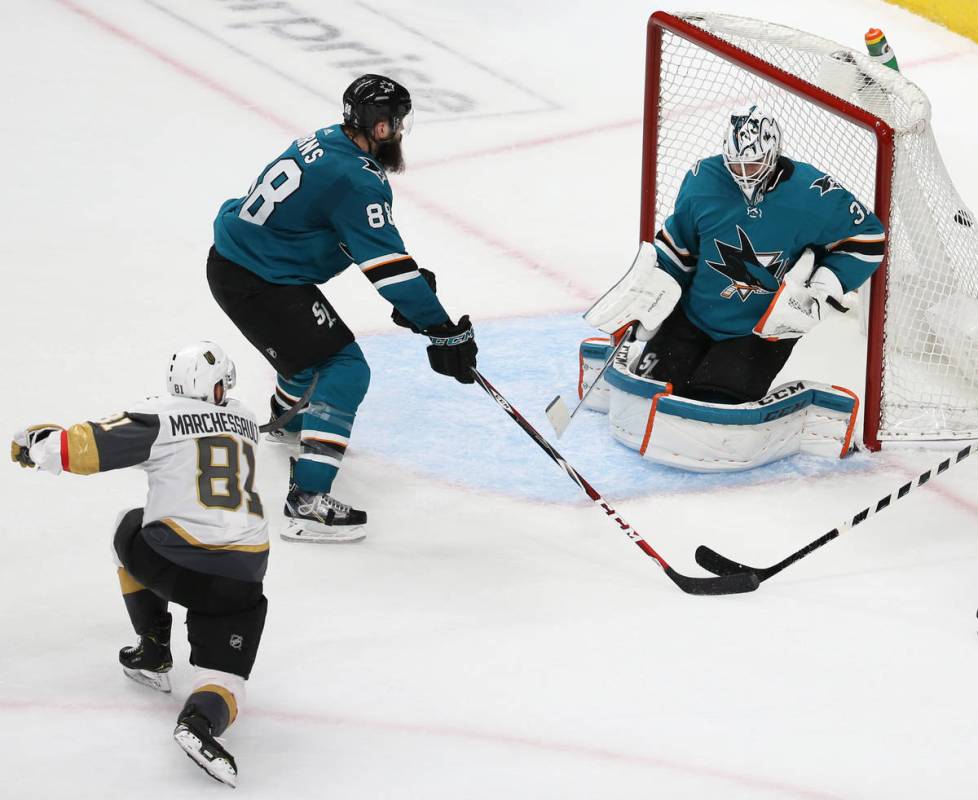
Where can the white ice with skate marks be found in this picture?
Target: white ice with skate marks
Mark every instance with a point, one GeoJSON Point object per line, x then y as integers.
{"type": "Point", "coordinates": [489, 638]}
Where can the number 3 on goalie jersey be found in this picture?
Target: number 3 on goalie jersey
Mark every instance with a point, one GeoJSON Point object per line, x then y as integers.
{"type": "Point", "coordinates": [218, 474]}
{"type": "Point", "coordinates": [279, 181]}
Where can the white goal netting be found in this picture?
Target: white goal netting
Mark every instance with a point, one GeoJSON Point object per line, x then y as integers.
{"type": "Point", "coordinates": [928, 381]}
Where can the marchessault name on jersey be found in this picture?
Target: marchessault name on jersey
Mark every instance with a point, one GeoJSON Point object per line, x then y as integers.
{"type": "Point", "coordinates": [213, 422]}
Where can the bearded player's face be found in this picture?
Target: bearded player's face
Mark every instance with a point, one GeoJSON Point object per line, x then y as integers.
{"type": "Point", "coordinates": [389, 154]}
{"type": "Point", "coordinates": [387, 148]}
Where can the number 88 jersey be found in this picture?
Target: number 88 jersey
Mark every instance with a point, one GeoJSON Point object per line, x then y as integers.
{"type": "Point", "coordinates": [321, 205]}
{"type": "Point", "coordinates": [199, 459]}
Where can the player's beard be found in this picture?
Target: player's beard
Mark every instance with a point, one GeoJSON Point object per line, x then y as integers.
{"type": "Point", "coordinates": [389, 155]}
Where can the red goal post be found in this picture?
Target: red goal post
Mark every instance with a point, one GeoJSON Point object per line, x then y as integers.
{"type": "Point", "coordinates": [699, 66]}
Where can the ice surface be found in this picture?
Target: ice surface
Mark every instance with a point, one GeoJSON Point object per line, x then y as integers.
{"type": "Point", "coordinates": [470, 441]}
{"type": "Point", "coordinates": [493, 636]}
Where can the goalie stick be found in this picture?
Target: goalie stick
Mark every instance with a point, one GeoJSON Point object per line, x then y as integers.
{"type": "Point", "coordinates": [734, 583]}
{"type": "Point", "coordinates": [721, 565]}
{"type": "Point", "coordinates": [560, 418]}
{"type": "Point", "coordinates": [288, 415]}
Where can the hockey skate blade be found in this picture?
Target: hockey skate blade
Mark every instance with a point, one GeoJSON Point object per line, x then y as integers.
{"type": "Point", "coordinates": [287, 438]}
{"type": "Point", "coordinates": [296, 531]}
{"type": "Point", "coordinates": [154, 680]}
{"type": "Point", "coordinates": [559, 415]}
{"type": "Point", "coordinates": [216, 766]}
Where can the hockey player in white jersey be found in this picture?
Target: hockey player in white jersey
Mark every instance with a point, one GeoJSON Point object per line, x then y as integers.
{"type": "Point", "coordinates": [200, 541]}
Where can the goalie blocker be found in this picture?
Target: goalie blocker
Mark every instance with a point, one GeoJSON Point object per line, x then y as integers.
{"type": "Point", "coordinates": [643, 414]}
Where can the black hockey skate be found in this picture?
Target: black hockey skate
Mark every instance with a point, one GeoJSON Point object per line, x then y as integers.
{"type": "Point", "coordinates": [149, 661]}
{"type": "Point", "coordinates": [318, 517]}
{"type": "Point", "coordinates": [193, 734]}
{"type": "Point", "coordinates": [280, 435]}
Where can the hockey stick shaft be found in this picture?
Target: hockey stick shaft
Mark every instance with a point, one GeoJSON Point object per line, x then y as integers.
{"type": "Point", "coordinates": [728, 584]}
{"type": "Point", "coordinates": [288, 415]}
{"type": "Point", "coordinates": [721, 565]}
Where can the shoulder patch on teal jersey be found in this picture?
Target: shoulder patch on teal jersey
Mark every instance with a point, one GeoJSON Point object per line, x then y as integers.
{"type": "Point", "coordinates": [374, 168]}
{"type": "Point", "coordinates": [825, 184]}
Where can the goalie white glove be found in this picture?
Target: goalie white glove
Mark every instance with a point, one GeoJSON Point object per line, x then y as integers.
{"type": "Point", "coordinates": [31, 448]}
{"type": "Point", "coordinates": [802, 301]}
{"type": "Point", "coordinates": [645, 294]}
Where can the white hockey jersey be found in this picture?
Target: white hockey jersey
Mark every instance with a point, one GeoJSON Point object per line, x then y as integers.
{"type": "Point", "coordinates": [202, 510]}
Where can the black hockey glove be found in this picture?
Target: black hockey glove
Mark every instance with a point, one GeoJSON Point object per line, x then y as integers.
{"type": "Point", "coordinates": [452, 349]}
{"type": "Point", "coordinates": [399, 318]}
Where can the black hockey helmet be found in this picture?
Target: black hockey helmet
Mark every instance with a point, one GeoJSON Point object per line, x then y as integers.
{"type": "Point", "coordinates": [373, 98]}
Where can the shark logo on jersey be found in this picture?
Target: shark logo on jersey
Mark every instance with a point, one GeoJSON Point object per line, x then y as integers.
{"type": "Point", "coordinates": [374, 168]}
{"type": "Point", "coordinates": [825, 184]}
{"type": "Point", "coordinates": [748, 270]}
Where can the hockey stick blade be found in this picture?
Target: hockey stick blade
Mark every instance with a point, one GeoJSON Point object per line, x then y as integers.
{"type": "Point", "coordinates": [727, 584]}
{"type": "Point", "coordinates": [718, 564]}
{"type": "Point", "coordinates": [739, 582]}
{"type": "Point", "coordinates": [559, 415]}
{"type": "Point", "coordinates": [713, 562]}
{"type": "Point", "coordinates": [557, 412]}
{"type": "Point", "coordinates": [288, 415]}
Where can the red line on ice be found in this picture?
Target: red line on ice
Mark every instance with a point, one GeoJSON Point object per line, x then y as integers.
{"type": "Point", "coordinates": [954, 498]}
{"type": "Point", "coordinates": [947, 493]}
{"type": "Point", "coordinates": [505, 149]}
{"type": "Point", "coordinates": [937, 59]}
{"type": "Point", "coordinates": [466, 226]}
{"type": "Point", "coordinates": [180, 66]}
{"type": "Point", "coordinates": [441, 731]}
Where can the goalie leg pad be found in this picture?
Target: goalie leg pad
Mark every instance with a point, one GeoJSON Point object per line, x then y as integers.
{"type": "Point", "coordinates": [801, 416]}
{"type": "Point", "coordinates": [592, 356]}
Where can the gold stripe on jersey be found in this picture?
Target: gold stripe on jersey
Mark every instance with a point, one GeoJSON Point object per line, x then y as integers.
{"type": "Point", "coordinates": [83, 456]}
{"type": "Point", "coordinates": [225, 695]}
{"type": "Point", "coordinates": [128, 583]}
{"type": "Point", "coordinates": [240, 548]}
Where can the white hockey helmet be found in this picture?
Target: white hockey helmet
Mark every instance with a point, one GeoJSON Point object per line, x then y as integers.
{"type": "Point", "coordinates": [751, 148]}
{"type": "Point", "coordinates": [196, 371]}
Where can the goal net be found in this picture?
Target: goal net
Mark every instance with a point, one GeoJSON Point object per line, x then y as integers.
{"type": "Point", "coordinates": [869, 127]}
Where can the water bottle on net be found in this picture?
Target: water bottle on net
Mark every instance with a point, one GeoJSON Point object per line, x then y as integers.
{"type": "Point", "coordinates": [880, 50]}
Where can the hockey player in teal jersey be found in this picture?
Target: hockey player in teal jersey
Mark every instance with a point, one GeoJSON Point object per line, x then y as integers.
{"type": "Point", "coordinates": [757, 250]}
{"type": "Point", "coordinates": [320, 207]}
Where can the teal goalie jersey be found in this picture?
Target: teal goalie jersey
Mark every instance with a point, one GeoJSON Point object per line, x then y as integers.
{"type": "Point", "coordinates": [730, 257]}
{"type": "Point", "coordinates": [321, 206]}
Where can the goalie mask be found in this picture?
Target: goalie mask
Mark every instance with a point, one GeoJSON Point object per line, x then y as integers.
{"type": "Point", "coordinates": [751, 149]}
{"type": "Point", "coordinates": [198, 369]}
